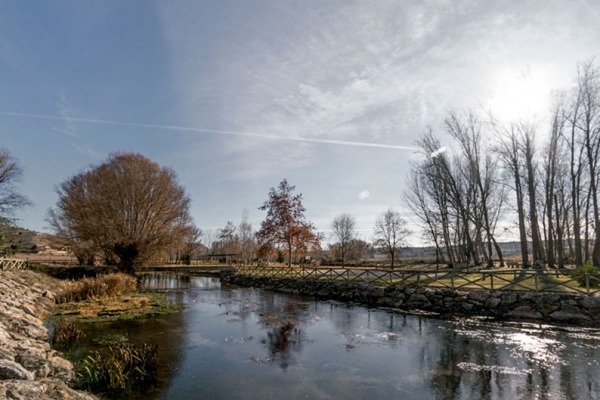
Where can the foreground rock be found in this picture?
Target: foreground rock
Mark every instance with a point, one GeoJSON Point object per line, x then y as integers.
{"type": "Point", "coordinates": [575, 309]}
{"type": "Point", "coordinates": [29, 368]}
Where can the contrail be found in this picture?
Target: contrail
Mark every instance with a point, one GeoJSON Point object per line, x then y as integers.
{"type": "Point", "coordinates": [188, 129]}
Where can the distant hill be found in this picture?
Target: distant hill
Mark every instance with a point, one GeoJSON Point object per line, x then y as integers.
{"type": "Point", "coordinates": [23, 239]}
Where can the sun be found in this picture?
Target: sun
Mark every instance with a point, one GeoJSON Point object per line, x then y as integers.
{"type": "Point", "coordinates": [519, 95]}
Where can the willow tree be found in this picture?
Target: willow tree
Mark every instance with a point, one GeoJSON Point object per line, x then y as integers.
{"type": "Point", "coordinates": [286, 227]}
{"type": "Point", "coordinates": [128, 207]}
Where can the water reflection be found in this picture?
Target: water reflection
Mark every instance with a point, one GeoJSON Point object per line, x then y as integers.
{"type": "Point", "coordinates": [241, 343]}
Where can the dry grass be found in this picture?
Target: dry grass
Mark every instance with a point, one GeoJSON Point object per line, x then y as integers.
{"type": "Point", "coordinates": [110, 285]}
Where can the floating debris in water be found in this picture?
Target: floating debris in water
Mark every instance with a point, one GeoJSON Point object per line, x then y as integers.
{"type": "Point", "coordinates": [260, 360]}
{"type": "Point", "coordinates": [388, 336]}
{"type": "Point", "coordinates": [241, 340]}
{"type": "Point", "coordinates": [496, 368]}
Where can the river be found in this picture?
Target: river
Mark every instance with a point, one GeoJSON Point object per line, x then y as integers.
{"type": "Point", "coordinates": [243, 343]}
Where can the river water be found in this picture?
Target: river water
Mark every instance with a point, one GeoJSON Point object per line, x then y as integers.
{"type": "Point", "coordinates": [242, 343]}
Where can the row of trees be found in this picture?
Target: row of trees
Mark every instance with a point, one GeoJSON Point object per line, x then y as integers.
{"type": "Point", "coordinates": [129, 210]}
{"type": "Point", "coordinates": [496, 170]}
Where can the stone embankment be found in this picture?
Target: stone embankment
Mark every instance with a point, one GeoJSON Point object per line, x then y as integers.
{"type": "Point", "coordinates": [547, 307]}
{"type": "Point", "coordinates": [29, 368]}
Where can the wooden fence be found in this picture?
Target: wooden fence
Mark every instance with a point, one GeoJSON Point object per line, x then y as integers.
{"type": "Point", "coordinates": [492, 280]}
{"type": "Point", "coordinates": [8, 263]}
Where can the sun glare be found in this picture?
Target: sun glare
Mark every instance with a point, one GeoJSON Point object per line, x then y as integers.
{"type": "Point", "coordinates": [519, 95]}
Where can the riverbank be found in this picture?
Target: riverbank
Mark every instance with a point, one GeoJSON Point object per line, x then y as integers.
{"type": "Point", "coordinates": [564, 308]}
{"type": "Point", "coordinates": [29, 368]}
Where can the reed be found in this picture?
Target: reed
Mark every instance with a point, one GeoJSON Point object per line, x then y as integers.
{"type": "Point", "coordinates": [109, 285]}
{"type": "Point", "coordinates": [120, 369]}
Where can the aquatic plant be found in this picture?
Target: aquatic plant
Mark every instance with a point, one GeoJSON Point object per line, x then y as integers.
{"type": "Point", "coordinates": [120, 369]}
{"type": "Point", "coordinates": [65, 334]}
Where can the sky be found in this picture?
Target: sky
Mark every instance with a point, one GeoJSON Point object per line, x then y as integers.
{"type": "Point", "coordinates": [237, 95]}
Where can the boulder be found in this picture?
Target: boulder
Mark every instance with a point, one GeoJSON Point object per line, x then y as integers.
{"type": "Point", "coordinates": [524, 312]}
{"type": "Point", "coordinates": [14, 370]}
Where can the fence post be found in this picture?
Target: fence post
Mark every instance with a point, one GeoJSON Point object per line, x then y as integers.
{"type": "Point", "coordinates": [536, 281]}
{"type": "Point", "coordinates": [587, 283]}
{"type": "Point", "coordinates": [418, 277]}
{"type": "Point", "coordinates": [492, 281]}
{"type": "Point", "coordinates": [452, 279]}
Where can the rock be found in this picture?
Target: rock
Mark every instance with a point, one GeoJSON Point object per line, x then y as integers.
{"type": "Point", "coordinates": [567, 316]}
{"type": "Point", "coordinates": [524, 312]}
{"type": "Point", "coordinates": [45, 389]}
{"type": "Point", "coordinates": [508, 298]}
{"type": "Point", "coordinates": [417, 301]}
{"type": "Point", "coordinates": [29, 369]}
{"type": "Point", "coordinates": [48, 294]}
{"type": "Point", "coordinates": [493, 302]}
{"type": "Point", "coordinates": [479, 295]}
{"type": "Point", "coordinates": [13, 370]}
{"type": "Point", "coordinates": [591, 303]}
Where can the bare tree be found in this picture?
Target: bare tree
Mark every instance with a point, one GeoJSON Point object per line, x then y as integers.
{"type": "Point", "coordinates": [10, 198]}
{"type": "Point", "coordinates": [228, 240]}
{"type": "Point", "coordinates": [358, 249]}
{"type": "Point", "coordinates": [390, 232]}
{"type": "Point", "coordinates": [210, 240]}
{"type": "Point", "coordinates": [128, 206]}
{"type": "Point", "coordinates": [246, 239]}
{"type": "Point", "coordinates": [191, 241]}
{"type": "Point", "coordinates": [344, 230]}
{"type": "Point", "coordinates": [508, 149]}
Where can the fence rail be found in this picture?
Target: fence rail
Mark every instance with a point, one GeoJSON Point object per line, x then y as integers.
{"type": "Point", "coordinates": [8, 263]}
{"type": "Point", "coordinates": [561, 281]}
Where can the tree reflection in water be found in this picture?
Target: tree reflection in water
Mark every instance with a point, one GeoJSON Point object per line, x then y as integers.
{"type": "Point", "coordinates": [281, 318]}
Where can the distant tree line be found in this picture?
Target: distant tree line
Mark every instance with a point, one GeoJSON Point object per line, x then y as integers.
{"type": "Point", "coordinates": [494, 169]}
{"type": "Point", "coordinates": [128, 210]}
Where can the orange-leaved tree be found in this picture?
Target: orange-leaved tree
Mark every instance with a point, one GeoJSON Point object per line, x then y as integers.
{"type": "Point", "coordinates": [286, 227]}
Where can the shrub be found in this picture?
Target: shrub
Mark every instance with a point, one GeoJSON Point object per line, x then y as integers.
{"type": "Point", "coordinates": [186, 258]}
{"type": "Point", "coordinates": [121, 368]}
{"type": "Point", "coordinates": [109, 285]}
{"type": "Point", "coordinates": [65, 334]}
{"type": "Point", "coordinates": [591, 271]}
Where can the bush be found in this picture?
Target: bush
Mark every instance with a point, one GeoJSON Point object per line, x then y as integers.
{"type": "Point", "coordinates": [591, 271]}
{"type": "Point", "coordinates": [65, 334]}
{"type": "Point", "coordinates": [186, 258]}
{"type": "Point", "coordinates": [122, 368]}
{"type": "Point", "coordinates": [108, 285]}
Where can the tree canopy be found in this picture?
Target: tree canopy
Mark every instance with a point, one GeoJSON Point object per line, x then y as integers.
{"type": "Point", "coordinates": [286, 226]}
{"type": "Point", "coordinates": [128, 208]}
